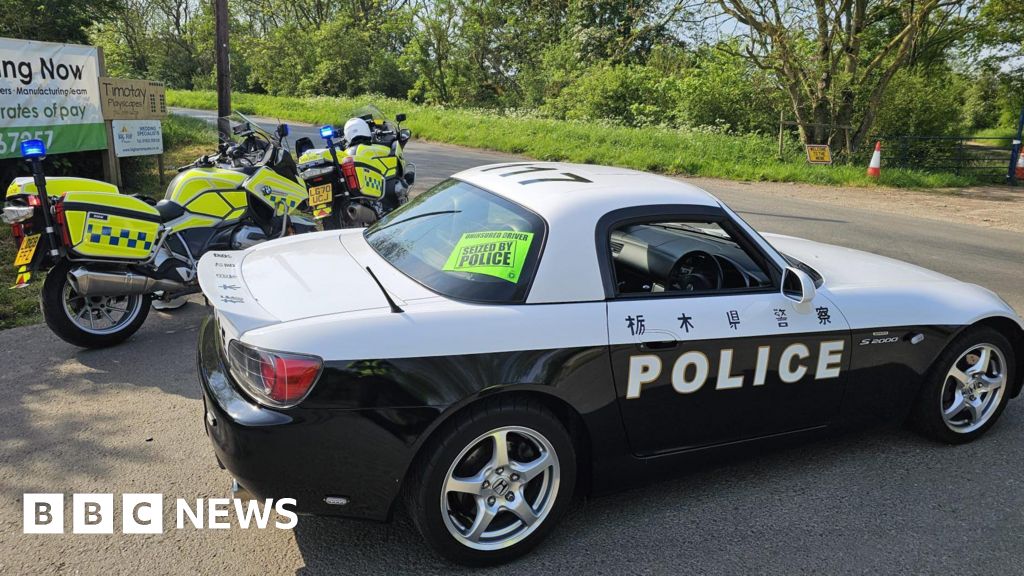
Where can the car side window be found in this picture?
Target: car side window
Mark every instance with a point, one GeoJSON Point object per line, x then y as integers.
{"type": "Point", "coordinates": [683, 256]}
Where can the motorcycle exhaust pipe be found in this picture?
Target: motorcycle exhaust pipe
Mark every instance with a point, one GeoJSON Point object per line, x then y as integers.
{"type": "Point", "coordinates": [92, 283]}
{"type": "Point", "coordinates": [360, 214]}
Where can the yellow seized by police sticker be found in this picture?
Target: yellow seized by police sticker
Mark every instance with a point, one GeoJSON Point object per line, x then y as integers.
{"type": "Point", "coordinates": [500, 254]}
{"type": "Point", "coordinates": [27, 249]}
{"type": "Point", "coordinates": [319, 195]}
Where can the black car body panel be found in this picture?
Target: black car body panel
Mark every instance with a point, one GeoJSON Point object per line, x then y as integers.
{"type": "Point", "coordinates": [362, 426]}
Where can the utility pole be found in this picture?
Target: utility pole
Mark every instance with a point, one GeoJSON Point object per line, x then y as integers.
{"type": "Point", "coordinates": [220, 14]}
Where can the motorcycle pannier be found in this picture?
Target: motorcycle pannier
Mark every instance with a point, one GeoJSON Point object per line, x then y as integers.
{"type": "Point", "coordinates": [110, 225]}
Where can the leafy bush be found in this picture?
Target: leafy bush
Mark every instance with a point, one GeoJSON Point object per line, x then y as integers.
{"type": "Point", "coordinates": [723, 90]}
{"type": "Point", "coordinates": [630, 95]}
{"type": "Point", "coordinates": [918, 104]}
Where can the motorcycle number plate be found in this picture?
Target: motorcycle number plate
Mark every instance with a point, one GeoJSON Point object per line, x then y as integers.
{"type": "Point", "coordinates": [320, 195]}
{"type": "Point", "coordinates": [27, 250]}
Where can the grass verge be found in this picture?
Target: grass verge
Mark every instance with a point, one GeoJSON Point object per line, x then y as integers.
{"type": "Point", "coordinates": [684, 152]}
{"type": "Point", "coordinates": [185, 139]}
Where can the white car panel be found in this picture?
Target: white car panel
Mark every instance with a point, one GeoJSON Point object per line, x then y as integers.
{"type": "Point", "coordinates": [312, 294]}
{"type": "Point", "coordinates": [438, 327]}
{"type": "Point", "coordinates": [874, 290]}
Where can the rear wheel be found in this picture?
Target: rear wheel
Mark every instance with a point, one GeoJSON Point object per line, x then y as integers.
{"type": "Point", "coordinates": [966, 389]}
{"type": "Point", "coordinates": [89, 321]}
{"type": "Point", "coordinates": [493, 483]}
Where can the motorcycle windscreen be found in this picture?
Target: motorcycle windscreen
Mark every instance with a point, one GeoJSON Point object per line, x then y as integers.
{"type": "Point", "coordinates": [110, 226]}
{"type": "Point", "coordinates": [58, 185]}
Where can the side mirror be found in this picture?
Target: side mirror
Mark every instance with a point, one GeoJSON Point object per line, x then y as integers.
{"type": "Point", "coordinates": [400, 118]}
{"type": "Point", "coordinates": [797, 285]}
{"type": "Point", "coordinates": [302, 145]}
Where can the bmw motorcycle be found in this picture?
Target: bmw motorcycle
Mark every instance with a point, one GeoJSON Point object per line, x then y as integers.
{"type": "Point", "coordinates": [354, 186]}
{"type": "Point", "coordinates": [109, 255]}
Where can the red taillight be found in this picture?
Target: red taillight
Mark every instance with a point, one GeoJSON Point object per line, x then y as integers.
{"type": "Point", "coordinates": [287, 379]}
{"type": "Point", "coordinates": [62, 224]}
{"type": "Point", "coordinates": [348, 170]}
{"type": "Point", "coordinates": [276, 378]}
{"type": "Point", "coordinates": [18, 231]}
{"type": "Point", "coordinates": [34, 200]}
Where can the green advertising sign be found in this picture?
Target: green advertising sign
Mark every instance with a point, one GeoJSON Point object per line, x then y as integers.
{"type": "Point", "coordinates": [49, 92]}
{"type": "Point", "coordinates": [500, 254]}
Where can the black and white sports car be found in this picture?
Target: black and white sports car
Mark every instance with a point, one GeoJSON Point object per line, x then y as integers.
{"type": "Point", "coordinates": [523, 332]}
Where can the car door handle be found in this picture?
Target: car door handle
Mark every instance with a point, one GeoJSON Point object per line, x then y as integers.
{"type": "Point", "coordinates": [659, 345]}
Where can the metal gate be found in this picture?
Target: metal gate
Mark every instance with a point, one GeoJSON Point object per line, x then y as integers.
{"type": "Point", "coordinates": [983, 158]}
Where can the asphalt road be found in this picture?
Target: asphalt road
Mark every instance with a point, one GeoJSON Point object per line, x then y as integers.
{"type": "Point", "coordinates": [877, 501]}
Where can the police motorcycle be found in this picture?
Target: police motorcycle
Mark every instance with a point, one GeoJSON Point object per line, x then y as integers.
{"type": "Point", "coordinates": [357, 180]}
{"type": "Point", "coordinates": [110, 254]}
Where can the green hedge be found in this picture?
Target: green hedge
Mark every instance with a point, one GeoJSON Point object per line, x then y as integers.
{"type": "Point", "coordinates": [695, 152]}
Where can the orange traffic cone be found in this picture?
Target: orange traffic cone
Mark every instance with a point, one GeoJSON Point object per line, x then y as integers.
{"type": "Point", "coordinates": [1019, 173]}
{"type": "Point", "coordinates": [875, 168]}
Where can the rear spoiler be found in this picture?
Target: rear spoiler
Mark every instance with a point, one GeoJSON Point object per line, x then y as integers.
{"type": "Point", "coordinates": [220, 277]}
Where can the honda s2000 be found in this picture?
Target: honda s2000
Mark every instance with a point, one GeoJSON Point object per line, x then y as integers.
{"type": "Point", "coordinates": [525, 331]}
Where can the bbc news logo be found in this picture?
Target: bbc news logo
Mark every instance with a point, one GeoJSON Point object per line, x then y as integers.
{"type": "Point", "coordinates": [144, 513]}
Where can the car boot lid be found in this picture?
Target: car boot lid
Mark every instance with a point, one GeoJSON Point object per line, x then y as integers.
{"type": "Point", "coordinates": [300, 277]}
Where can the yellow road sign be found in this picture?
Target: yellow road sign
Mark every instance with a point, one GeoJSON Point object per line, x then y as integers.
{"type": "Point", "coordinates": [819, 154]}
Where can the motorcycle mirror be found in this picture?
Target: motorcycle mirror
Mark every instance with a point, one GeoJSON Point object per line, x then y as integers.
{"type": "Point", "coordinates": [303, 144]}
{"type": "Point", "coordinates": [400, 117]}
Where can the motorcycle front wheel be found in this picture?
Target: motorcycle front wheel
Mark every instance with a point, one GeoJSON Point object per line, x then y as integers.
{"type": "Point", "coordinates": [89, 321]}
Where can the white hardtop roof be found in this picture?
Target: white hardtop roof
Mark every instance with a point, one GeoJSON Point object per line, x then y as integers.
{"type": "Point", "coordinates": [550, 188]}
{"type": "Point", "coordinates": [572, 198]}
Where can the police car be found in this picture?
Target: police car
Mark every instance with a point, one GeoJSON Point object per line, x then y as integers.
{"type": "Point", "coordinates": [525, 331]}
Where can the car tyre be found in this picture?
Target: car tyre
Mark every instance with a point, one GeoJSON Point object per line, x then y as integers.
{"type": "Point", "coordinates": [520, 501]}
{"type": "Point", "coordinates": [967, 387]}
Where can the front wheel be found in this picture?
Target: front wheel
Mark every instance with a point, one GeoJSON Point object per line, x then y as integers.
{"type": "Point", "coordinates": [89, 321]}
{"type": "Point", "coordinates": [966, 389]}
{"type": "Point", "coordinates": [493, 482]}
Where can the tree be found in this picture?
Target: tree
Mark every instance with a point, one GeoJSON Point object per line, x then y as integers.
{"type": "Point", "coordinates": [52, 20]}
{"type": "Point", "coordinates": [834, 59]}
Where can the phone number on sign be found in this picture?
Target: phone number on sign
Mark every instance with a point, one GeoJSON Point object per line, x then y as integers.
{"type": "Point", "coordinates": [9, 140]}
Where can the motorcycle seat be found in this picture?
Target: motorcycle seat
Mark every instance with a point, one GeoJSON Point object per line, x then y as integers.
{"type": "Point", "coordinates": [169, 210]}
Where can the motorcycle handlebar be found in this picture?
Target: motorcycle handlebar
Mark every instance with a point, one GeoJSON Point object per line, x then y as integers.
{"type": "Point", "coordinates": [202, 161]}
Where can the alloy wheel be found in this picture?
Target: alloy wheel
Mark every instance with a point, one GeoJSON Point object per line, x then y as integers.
{"type": "Point", "coordinates": [500, 488]}
{"type": "Point", "coordinates": [973, 388]}
{"type": "Point", "coordinates": [100, 314]}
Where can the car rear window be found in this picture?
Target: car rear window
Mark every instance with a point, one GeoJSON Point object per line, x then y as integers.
{"type": "Point", "coordinates": [463, 242]}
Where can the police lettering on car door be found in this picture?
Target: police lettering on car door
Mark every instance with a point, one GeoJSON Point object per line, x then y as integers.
{"type": "Point", "coordinates": [690, 370]}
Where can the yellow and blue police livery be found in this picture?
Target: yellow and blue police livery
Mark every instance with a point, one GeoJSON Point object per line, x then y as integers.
{"type": "Point", "coordinates": [100, 234]}
{"type": "Point", "coordinates": [109, 254]}
{"type": "Point", "coordinates": [527, 331]}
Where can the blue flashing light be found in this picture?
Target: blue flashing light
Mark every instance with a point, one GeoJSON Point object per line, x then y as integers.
{"type": "Point", "coordinates": [33, 149]}
{"type": "Point", "coordinates": [327, 132]}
